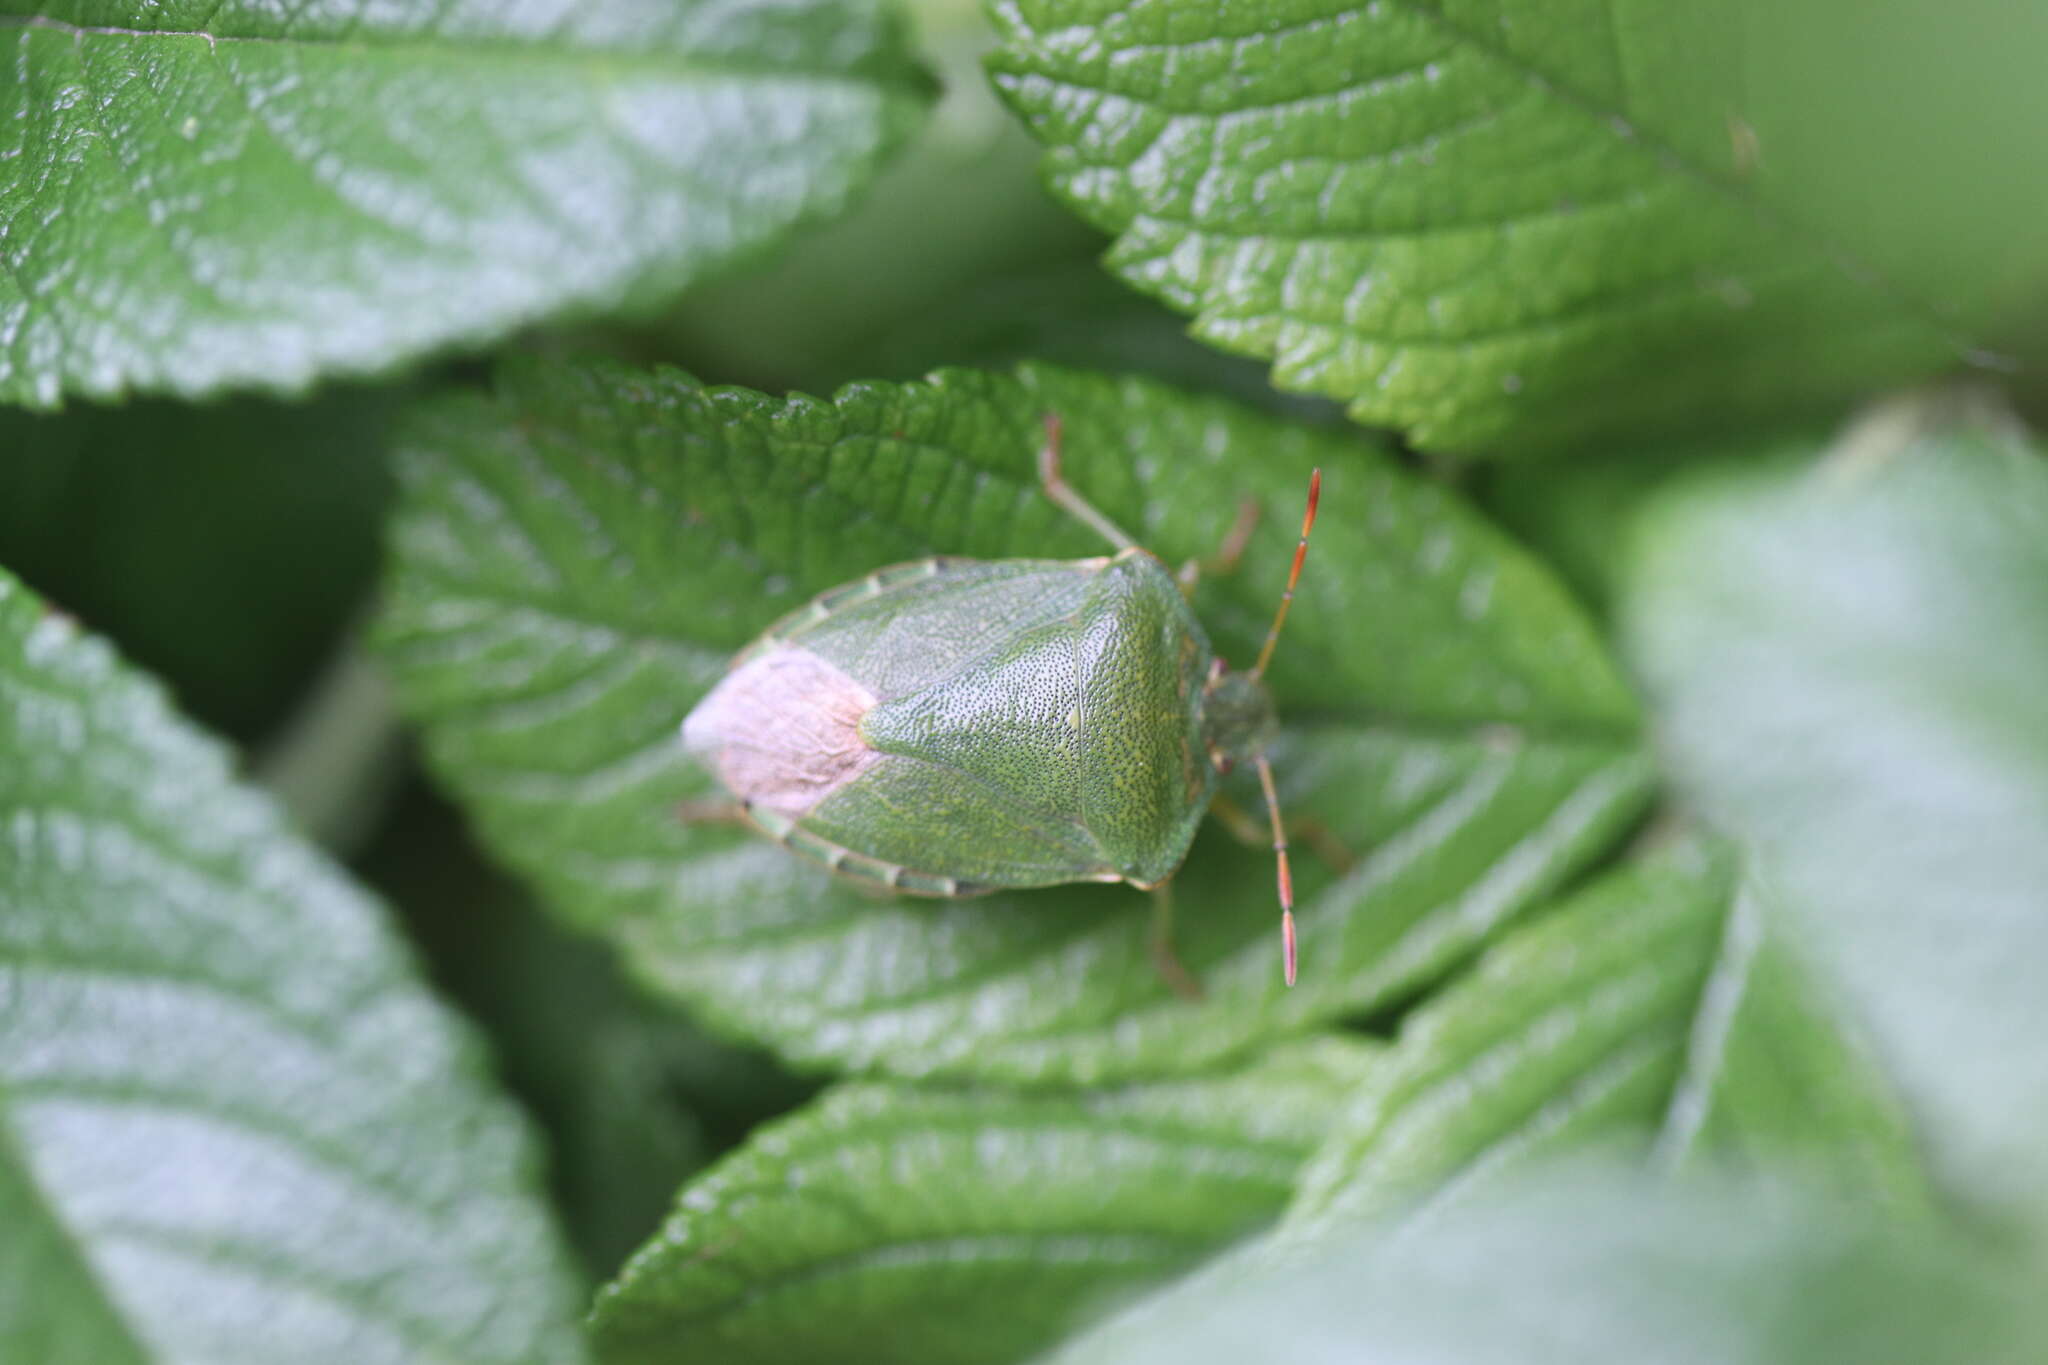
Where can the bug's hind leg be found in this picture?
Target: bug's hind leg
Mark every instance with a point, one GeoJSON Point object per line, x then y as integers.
{"type": "Point", "coordinates": [1159, 939]}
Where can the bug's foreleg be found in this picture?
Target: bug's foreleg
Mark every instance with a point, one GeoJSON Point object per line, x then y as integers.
{"type": "Point", "coordinates": [1159, 939]}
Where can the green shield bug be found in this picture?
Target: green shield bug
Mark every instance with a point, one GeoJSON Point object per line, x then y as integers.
{"type": "Point", "coordinates": [949, 727]}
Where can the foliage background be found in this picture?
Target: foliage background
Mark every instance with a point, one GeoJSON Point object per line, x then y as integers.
{"type": "Point", "coordinates": [411, 408]}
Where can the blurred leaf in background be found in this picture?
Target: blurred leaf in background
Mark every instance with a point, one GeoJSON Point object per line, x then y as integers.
{"type": "Point", "coordinates": [963, 202]}
{"type": "Point", "coordinates": [1648, 1013]}
{"type": "Point", "coordinates": [1848, 661]}
{"type": "Point", "coordinates": [224, 547]}
{"type": "Point", "coordinates": [236, 1127]}
{"type": "Point", "coordinates": [1597, 1262]}
{"type": "Point", "coordinates": [1073, 314]}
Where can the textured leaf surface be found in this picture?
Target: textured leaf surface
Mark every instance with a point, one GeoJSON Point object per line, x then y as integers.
{"type": "Point", "coordinates": [1507, 225]}
{"type": "Point", "coordinates": [233, 1127]}
{"type": "Point", "coordinates": [1646, 1016]}
{"type": "Point", "coordinates": [898, 1225]}
{"type": "Point", "coordinates": [195, 195]}
{"type": "Point", "coordinates": [1595, 1263]}
{"type": "Point", "coordinates": [1570, 1029]}
{"type": "Point", "coordinates": [1851, 664]}
{"type": "Point", "coordinates": [1645, 1007]}
{"type": "Point", "coordinates": [577, 558]}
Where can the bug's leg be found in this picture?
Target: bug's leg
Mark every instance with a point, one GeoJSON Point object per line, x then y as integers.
{"type": "Point", "coordinates": [1160, 940]}
{"type": "Point", "coordinates": [1328, 846]}
{"type": "Point", "coordinates": [1227, 555]}
{"type": "Point", "coordinates": [1063, 495]}
{"type": "Point", "coordinates": [712, 810]}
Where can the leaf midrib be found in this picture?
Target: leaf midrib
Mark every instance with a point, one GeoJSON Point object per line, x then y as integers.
{"type": "Point", "coordinates": [898, 84]}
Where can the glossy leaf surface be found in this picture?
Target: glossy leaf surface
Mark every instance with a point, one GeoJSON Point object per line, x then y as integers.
{"type": "Point", "coordinates": [202, 195]}
{"type": "Point", "coordinates": [892, 1224]}
{"type": "Point", "coordinates": [233, 1125]}
{"type": "Point", "coordinates": [1511, 225]}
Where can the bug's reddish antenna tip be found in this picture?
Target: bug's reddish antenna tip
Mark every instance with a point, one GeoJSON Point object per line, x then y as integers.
{"type": "Point", "coordinates": [1287, 944]}
{"type": "Point", "coordinates": [1315, 492]}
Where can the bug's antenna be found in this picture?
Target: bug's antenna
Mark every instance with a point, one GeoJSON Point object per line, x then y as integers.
{"type": "Point", "coordinates": [1308, 520]}
{"type": "Point", "coordinates": [1280, 857]}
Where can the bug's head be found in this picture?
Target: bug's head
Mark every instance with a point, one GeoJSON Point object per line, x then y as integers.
{"type": "Point", "coordinates": [1237, 718]}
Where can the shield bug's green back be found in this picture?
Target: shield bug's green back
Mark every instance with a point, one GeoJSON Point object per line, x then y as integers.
{"type": "Point", "coordinates": [949, 727]}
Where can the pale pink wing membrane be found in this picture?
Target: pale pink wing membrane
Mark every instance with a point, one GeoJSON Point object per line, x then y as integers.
{"type": "Point", "coordinates": [782, 731]}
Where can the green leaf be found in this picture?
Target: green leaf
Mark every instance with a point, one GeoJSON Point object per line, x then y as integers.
{"type": "Point", "coordinates": [181, 533]}
{"type": "Point", "coordinates": [1850, 661]}
{"type": "Point", "coordinates": [892, 1224]}
{"type": "Point", "coordinates": [198, 196]}
{"type": "Point", "coordinates": [1647, 1016]}
{"type": "Point", "coordinates": [233, 1126]}
{"type": "Point", "coordinates": [1780, 1076]}
{"type": "Point", "coordinates": [1570, 1029]}
{"type": "Point", "coordinates": [1594, 1263]}
{"type": "Point", "coordinates": [1505, 226]}
{"type": "Point", "coordinates": [576, 559]}
{"type": "Point", "coordinates": [1644, 1011]}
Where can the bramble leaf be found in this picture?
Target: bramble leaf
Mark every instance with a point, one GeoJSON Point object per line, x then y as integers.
{"type": "Point", "coordinates": [1650, 1012]}
{"type": "Point", "coordinates": [1651, 1017]}
{"type": "Point", "coordinates": [1506, 226]}
{"type": "Point", "coordinates": [1850, 660]}
{"type": "Point", "coordinates": [577, 558]}
{"type": "Point", "coordinates": [1595, 1262]}
{"type": "Point", "coordinates": [196, 196]}
{"type": "Point", "coordinates": [233, 1125]}
{"type": "Point", "coordinates": [893, 1224]}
